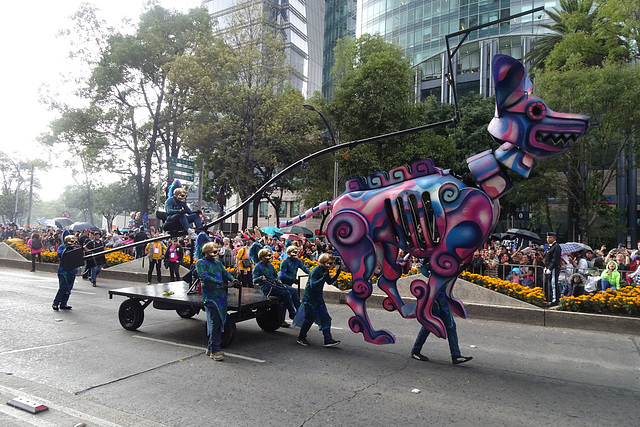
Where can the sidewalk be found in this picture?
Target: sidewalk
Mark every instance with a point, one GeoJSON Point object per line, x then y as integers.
{"type": "Point", "coordinates": [480, 303]}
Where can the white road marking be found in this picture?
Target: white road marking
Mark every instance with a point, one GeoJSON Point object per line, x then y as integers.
{"type": "Point", "coordinates": [29, 276]}
{"type": "Point", "coordinates": [34, 348]}
{"type": "Point", "coordinates": [69, 411]}
{"type": "Point", "coordinates": [237, 356]}
{"type": "Point", "coordinates": [75, 291]}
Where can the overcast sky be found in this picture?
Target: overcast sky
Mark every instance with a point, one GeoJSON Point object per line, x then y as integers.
{"type": "Point", "coordinates": [32, 55]}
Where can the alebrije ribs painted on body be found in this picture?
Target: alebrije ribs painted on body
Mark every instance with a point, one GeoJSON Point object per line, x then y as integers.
{"type": "Point", "coordinates": [425, 211]}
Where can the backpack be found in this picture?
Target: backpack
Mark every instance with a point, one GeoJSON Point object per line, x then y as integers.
{"type": "Point", "coordinates": [36, 244]}
{"type": "Point", "coordinates": [227, 258]}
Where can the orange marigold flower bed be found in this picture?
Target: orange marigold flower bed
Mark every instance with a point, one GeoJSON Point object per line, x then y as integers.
{"type": "Point", "coordinates": [625, 302]}
{"type": "Point", "coordinates": [114, 258]}
{"type": "Point", "coordinates": [533, 296]}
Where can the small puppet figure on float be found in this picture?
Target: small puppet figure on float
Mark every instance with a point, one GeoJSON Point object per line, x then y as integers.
{"type": "Point", "coordinates": [179, 215]}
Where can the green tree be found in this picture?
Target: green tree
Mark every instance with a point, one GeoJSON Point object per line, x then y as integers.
{"type": "Point", "coordinates": [374, 96]}
{"type": "Point", "coordinates": [246, 124]}
{"type": "Point", "coordinates": [585, 68]}
{"type": "Point", "coordinates": [574, 16]}
{"type": "Point", "coordinates": [75, 199]}
{"type": "Point", "coordinates": [609, 96]}
{"type": "Point", "coordinates": [113, 199]}
{"type": "Point", "coordinates": [134, 114]}
{"type": "Point", "coordinates": [626, 15]}
{"type": "Point", "coordinates": [16, 178]}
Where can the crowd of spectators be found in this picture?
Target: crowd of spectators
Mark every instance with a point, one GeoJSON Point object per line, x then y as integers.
{"type": "Point", "coordinates": [231, 243]}
{"type": "Point", "coordinates": [499, 259]}
{"type": "Point", "coordinates": [582, 271]}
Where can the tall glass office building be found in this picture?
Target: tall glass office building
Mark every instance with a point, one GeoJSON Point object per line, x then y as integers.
{"type": "Point", "coordinates": [420, 26]}
{"type": "Point", "coordinates": [301, 22]}
{"type": "Point", "coordinates": [339, 22]}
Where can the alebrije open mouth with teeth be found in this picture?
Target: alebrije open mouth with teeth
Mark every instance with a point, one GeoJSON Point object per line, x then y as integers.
{"type": "Point", "coordinates": [525, 126]}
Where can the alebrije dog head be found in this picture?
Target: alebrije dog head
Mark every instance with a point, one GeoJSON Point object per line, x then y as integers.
{"type": "Point", "coordinates": [524, 120]}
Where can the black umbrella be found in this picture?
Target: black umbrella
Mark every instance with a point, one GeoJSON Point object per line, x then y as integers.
{"type": "Point", "coordinates": [64, 222]}
{"type": "Point", "coordinates": [296, 229]}
{"type": "Point", "coordinates": [79, 226]}
{"type": "Point", "coordinates": [526, 234]}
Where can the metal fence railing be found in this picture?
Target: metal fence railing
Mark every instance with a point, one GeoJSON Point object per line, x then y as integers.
{"type": "Point", "coordinates": [533, 275]}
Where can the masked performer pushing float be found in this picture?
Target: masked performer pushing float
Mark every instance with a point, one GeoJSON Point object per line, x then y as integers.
{"type": "Point", "coordinates": [66, 273]}
{"type": "Point", "coordinates": [313, 307]}
{"type": "Point", "coordinates": [213, 278]}
{"type": "Point", "coordinates": [178, 212]}
{"type": "Point", "coordinates": [289, 275]}
{"type": "Point", "coordinates": [265, 276]}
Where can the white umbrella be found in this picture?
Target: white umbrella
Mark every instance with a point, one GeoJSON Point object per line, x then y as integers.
{"type": "Point", "coordinates": [570, 247]}
{"type": "Point", "coordinates": [47, 222]}
{"type": "Point", "coordinates": [585, 247]}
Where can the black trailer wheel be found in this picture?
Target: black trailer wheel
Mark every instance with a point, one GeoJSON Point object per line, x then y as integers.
{"type": "Point", "coordinates": [229, 333]}
{"type": "Point", "coordinates": [271, 319]}
{"type": "Point", "coordinates": [131, 314]}
{"type": "Point", "coordinates": [186, 312]}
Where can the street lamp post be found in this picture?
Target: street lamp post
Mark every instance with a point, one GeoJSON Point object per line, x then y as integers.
{"type": "Point", "coordinates": [335, 137]}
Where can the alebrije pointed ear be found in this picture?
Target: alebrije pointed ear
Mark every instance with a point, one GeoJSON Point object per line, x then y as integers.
{"type": "Point", "coordinates": [509, 79]}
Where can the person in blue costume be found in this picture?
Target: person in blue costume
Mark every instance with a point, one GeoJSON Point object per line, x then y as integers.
{"type": "Point", "coordinates": [66, 277]}
{"type": "Point", "coordinates": [178, 211]}
{"type": "Point", "coordinates": [289, 273]}
{"type": "Point", "coordinates": [442, 310]}
{"type": "Point", "coordinates": [265, 276]}
{"type": "Point", "coordinates": [287, 244]}
{"type": "Point", "coordinates": [213, 277]}
{"type": "Point", "coordinates": [254, 249]}
{"type": "Point", "coordinates": [313, 307]}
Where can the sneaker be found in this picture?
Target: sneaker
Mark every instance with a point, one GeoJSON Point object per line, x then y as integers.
{"type": "Point", "coordinates": [218, 357]}
{"type": "Point", "coordinates": [303, 342]}
{"type": "Point", "coordinates": [331, 343]}
{"type": "Point", "coordinates": [65, 307]}
{"type": "Point", "coordinates": [419, 356]}
{"type": "Point", "coordinates": [284, 324]}
{"type": "Point", "coordinates": [207, 352]}
{"type": "Point", "coordinates": [149, 284]}
{"type": "Point", "coordinates": [94, 284]}
{"type": "Point", "coordinates": [55, 307]}
{"type": "Point", "coordinates": [191, 233]}
{"type": "Point", "coordinates": [460, 359]}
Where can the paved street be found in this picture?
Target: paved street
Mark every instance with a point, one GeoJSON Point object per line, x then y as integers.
{"type": "Point", "coordinates": [87, 368]}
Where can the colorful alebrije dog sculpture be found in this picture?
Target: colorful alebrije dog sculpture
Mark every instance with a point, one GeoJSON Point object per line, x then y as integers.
{"type": "Point", "coordinates": [427, 212]}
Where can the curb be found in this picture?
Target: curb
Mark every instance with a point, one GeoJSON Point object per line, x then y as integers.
{"type": "Point", "coordinates": [534, 316]}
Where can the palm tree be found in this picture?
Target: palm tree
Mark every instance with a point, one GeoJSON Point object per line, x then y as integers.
{"type": "Point", "coordinates": [560, 27]}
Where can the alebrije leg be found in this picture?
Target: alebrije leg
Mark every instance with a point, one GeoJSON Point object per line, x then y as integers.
{"type": "Point", "coordinates": [348, 233]}
{"type": "Point", "coordinates": [360, 322]}
{"type": "Point", "coordinates": [394, 300]}
{"type": "Point", "coordinates": [425, 294]}
{"type": "Point", "coordinates": [454, 303]}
